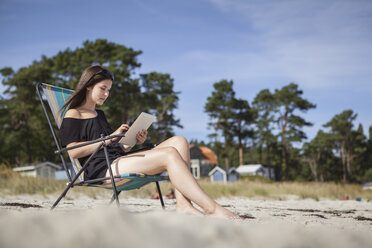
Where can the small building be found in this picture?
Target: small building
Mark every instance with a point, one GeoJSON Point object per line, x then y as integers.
{"type": "Point", "coordinates": [257, 169]}
{"type": "Point", "coordinates": [45, 169]}
{"type": "Point", "coordinates": [62, 175]}
{"type": "Point", "coordinates": [233, 175]}
{"type": "Point", "coordinates": [218, 175]}
{"type": "Point", "coordinates": [202, 160]}
{"type": "Point", "coordinates": [367, 185]}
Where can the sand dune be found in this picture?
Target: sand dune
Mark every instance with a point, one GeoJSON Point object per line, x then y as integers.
{"type": "Point", "coordinates": [25, 221]}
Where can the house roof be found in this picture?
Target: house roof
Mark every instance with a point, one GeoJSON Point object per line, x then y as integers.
{"type": "Point", "coordinates": [36, 166]}
{"type": "Point", "coordinates": [207, 153]}
{"type": "Point", "coordinates": [217, 169]}
{"type": "Point", "coordinates": [248, 169]}
{"type": "Point", "coordinates": [232, 170]}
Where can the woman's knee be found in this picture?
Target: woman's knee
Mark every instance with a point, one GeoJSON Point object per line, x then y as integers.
{"type": "Point", "coordinates": [171, 152]}
{"type": "Point", "coordinates": [179, 141]}
{"type": "Point", "coordinates": [171, 155]}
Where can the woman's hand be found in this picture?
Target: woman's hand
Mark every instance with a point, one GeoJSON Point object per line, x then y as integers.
{"type": "Point", "coordinates": [120, 130]}
{"type": "Point", "coordinates": [141, 137]}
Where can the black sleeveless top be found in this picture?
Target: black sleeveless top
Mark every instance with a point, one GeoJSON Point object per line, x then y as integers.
{"type": "Point", "coordinates": [80, 130]}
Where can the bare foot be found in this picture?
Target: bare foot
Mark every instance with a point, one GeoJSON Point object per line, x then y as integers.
{"type": "Point", "coordinates": [221, 212]}
{"type": "Point", "coordinates": [189, 210]}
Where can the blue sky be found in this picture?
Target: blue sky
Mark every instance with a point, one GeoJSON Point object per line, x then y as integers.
{"type": "Point", "coordinates": [323, 46]}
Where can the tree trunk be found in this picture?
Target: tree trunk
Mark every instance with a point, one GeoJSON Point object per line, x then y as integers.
{"type": "Point", "coordinates": [348, 165]}
{"type": "Point", "coordinates": [260, 154]}
{"type": "Point", "coordinates": [348, 162]}
{"type": "Point", "coordinates": [285, 152]}
{"type": "Point", "coordinates": [17, 161]}
{"type": "Point", "coordinates": [286, 159]}
{"type": "Point", "coordinates": [28, 146]}
{"type": "Point", "coordinates": [343, 162]}
{"type": "Point", "coordinates": [314, 167]}
{"type": "Point", "coordinates": [268, 155]}
{"type": "Point", "coordinates": [227, 163]}
{"type": "Point", "coordinates": [227, 155]}
{"type": "Point", "coordinates": [240, 154]}
{"type": "Point", "coordinates": [322, 178]}
{"type": "Point", "coordinates": [285, 155]}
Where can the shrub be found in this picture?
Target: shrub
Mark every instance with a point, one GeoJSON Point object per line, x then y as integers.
{"type": "Point", "coordinates": [367, 176]}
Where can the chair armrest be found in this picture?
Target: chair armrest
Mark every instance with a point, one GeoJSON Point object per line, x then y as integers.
{"type": "Point", "coordinates": [89, 143]}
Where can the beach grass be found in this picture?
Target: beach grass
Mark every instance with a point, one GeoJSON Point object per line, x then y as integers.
{"type": "Point", "coordinates": [12, 183]}
{"type": "Point", "coordinates": [283, 190]}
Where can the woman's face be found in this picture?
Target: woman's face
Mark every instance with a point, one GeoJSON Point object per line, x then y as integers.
{"type": "Point", "coordinates": [100, 91]}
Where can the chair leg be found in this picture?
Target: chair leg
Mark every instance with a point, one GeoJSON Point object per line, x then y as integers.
{"type": "Point", "coordinates": [75, 178]}
{"type": "Point", "coordinates": [160, 195]}
{"type": "Point", "coordinates": [113, 197]}
{"type": "Point", "coordinates": [111, 175]}
{"type": "Point", "coordinates": [61, 196]}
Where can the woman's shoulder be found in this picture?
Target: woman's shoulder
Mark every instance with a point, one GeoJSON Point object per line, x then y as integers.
{"type": "Point", "coordinates": [71, 119]}
{"type": "Point", "coordinates": [73, 113]}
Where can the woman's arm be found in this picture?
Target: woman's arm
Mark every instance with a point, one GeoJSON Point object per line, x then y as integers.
{"type": "Point", "coordinates": [84, 150]}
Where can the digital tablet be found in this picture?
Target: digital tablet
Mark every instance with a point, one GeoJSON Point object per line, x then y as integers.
{"type": "Point", "coordinates": [143, 122]}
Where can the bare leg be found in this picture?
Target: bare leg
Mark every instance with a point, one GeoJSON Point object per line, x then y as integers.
{"type": "Point", "coordinates": [168, 159]}
{"type": "Point", "coordinates": [182, 146]}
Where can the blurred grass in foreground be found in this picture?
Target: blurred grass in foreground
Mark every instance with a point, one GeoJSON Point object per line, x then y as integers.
{"type": "Point", "coordinates": [11, 183]}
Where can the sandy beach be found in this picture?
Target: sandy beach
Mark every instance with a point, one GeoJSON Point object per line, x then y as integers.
{"type": "Point", "coordinates": [26, 221]}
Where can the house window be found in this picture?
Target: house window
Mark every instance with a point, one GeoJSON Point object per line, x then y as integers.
{"type": "Point", "coordinates": [195, 171]}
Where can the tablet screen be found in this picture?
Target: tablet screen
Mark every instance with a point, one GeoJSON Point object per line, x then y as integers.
{"type": "Point", "coordinates": [143, 122]}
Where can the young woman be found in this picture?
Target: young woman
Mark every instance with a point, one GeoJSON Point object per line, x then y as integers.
{"type": "Point", "coordinates": [82, 122]}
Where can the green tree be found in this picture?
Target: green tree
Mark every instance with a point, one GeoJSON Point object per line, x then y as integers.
{"type": "Point", "coordinates": [160, 99]}
{"type": "Point", "coordinates": [242, 118]}
{"type": "Point", "coordinates": [264, 107]}
{"type": "Point", "coordinates": [355, 152]}
{"type": "Point", "coordinates": [23, 129]}
{"type": "Point", "coordinates": [21, 122]}
{"type": "Point", "coordinates": [316, 152]}
{"type": "Point", "coordinates": [367, 162]}
{"type": "Point", "coordinates": [219, 108]}
{"type": "Point", "coordinates": [288, 100]}
{"type": "Point", "coordinates": [341, 126]}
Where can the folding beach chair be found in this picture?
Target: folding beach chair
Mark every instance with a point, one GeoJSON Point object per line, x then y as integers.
{"type": "Point", "coordinates": [56, 97]}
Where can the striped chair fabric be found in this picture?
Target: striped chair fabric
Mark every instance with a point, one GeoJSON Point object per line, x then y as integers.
{"type": "Point", "coordinates": [56, 97]}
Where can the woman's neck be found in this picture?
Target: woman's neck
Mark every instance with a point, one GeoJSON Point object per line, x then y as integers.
{"type": "Point", "coordinates": [87, 110]}
{"type": "Point", "coordinates": [88, 105]}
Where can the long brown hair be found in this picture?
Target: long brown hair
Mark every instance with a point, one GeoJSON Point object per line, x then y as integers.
{"type": "Point", "coordinates": [88, 78]}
